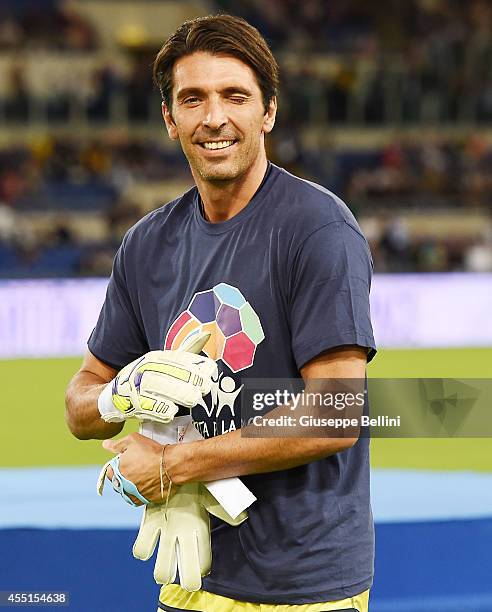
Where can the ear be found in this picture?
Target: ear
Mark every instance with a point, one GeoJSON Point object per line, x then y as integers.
{"type": "Point", "coordinates": [169, 121]}
{"type": "Point", "coordinates": [270, 115]}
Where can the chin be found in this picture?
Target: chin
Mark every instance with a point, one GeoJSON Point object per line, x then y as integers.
{"type": "Point", "coordinates": [219, 174]}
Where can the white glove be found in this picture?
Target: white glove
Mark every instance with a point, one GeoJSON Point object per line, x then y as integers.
{"type": "Point", "coordinates": [183, 531]}
{"type": "Point", "coordinates": [152, 386]}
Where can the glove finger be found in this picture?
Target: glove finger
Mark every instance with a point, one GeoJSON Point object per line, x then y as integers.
{"type": "Point", "coordinates": [204, 541]}
{"type": "Point", "coordinates": [199, 368]}
{"type": "Point", "coordinates": [208, 381]}
{"type": "Point", "coordinates": [156, 390]}
{"type": "Point", "coordinates": [166, 561]}
{"type": "Point", "coordinates": [159, 410]}
{"type": "Point", "coordinates": [208, 368]}
{"type": "Point", "coordinates": [186, 395]}
{"type": "Point", "coordinates": [153, 521]}
{"type": "Point", "coordinates": [198, 365]}
{"type": "Point", "coordinates": [196, 343]}
{"type": "Point", "coordinates": [213, 507]}
{"type": "Point", "coordinates": [190, 575]}
{"type": "Point", "coordinates": [149, 416]}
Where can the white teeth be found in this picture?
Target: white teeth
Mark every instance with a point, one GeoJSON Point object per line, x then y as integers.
{"type": "Point", "coordinates": [218, 145]}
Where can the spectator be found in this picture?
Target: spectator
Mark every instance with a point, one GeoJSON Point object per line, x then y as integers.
{"type": "Point", "coordinates": [478, 257]}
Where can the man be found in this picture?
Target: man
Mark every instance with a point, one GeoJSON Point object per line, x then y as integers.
{"type": "Point", "coordinates": [277, 270]}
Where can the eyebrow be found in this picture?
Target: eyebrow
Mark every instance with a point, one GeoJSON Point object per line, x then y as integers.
{"type": "Point", "coordinates": [188, 91]}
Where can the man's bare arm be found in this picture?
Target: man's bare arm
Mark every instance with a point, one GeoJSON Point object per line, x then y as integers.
{"type": "Point", "coordinates": [81, 414]}
{"type": "Point", "coordinates": [234, 455]}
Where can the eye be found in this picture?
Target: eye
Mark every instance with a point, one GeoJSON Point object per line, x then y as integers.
{"type": "Point", "coordinates": [238, 99]}
{"type": "Point", "coordinates": [190, 100]}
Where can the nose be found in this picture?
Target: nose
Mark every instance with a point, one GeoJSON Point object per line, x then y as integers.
{"type": "Point", "coordinates": [215, 116]}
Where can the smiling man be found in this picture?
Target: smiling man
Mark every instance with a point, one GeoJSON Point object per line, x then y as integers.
{"type": "Point", "coordinates": [276, 269]}
{"type": "Point", "coordinates": [213, 103]}
{"type": "Point", "coordinates": [228, 142]}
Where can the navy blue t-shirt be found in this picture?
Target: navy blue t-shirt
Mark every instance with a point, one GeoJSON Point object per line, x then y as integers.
{"type": "Point", "coordinates": [285, 279]}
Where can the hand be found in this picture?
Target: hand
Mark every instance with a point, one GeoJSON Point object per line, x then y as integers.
{"type": "Point", "coordinates": [140, 460]}
{"type": "Point", "coordinates": [152, 387]}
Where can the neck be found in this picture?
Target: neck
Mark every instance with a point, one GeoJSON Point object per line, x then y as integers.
{"type": "Point", "coordinates": [222, 200]}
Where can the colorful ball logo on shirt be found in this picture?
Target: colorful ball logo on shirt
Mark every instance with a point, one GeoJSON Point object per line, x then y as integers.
{"type": "Point", "coordinates": [235, 327]}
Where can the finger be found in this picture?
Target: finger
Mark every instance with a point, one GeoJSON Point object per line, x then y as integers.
{"type": "Point", "coordinates": [110, 473]}
{"type": "Point", "coordinates": [135, 500]}
{"type": "Point", "coordinates": [116, 446]}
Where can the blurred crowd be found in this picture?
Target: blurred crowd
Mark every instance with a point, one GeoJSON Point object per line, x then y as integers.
{"type": "Point", "coordinates": [46, 24]}
{"type": "Point", "coordinates": [408, 172]}
{"type": "Point", "coordinates": [394, 250]}
{"type": "Point", "coordinates": [346, 25]}
{"type": "Point", "coordinates": [343, 62]}
{"type": "Point", "coordinates": [65, 203]}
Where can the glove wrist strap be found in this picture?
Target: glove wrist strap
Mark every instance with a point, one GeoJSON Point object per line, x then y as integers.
{"type": "Point", "coordinates": [123, 486]}
{"type": "Point", "coordinates": [106, 407]}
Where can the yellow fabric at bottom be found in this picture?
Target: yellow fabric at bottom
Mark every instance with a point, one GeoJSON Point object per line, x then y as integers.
{"type": "Point", "coordinates": [202, 601]}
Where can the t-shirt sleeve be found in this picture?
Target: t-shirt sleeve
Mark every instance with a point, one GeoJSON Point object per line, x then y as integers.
{"type": "Point", "coordinates": [118, 338]}
{"type": "Point", "coordinates": [329, 292]}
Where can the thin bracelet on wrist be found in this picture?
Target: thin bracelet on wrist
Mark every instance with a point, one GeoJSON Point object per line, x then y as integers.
{"type": "Point", "coordinates": [163, 471]}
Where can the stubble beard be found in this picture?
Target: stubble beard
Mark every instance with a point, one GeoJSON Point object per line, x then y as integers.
{"type": "Point", "coordinates": [211, 173]}
{"type": "Point", "coordinates": [231, 170]}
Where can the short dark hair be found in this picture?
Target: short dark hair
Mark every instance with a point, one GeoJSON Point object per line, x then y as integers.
{"type": "Point", "coordinates": [218, 35]}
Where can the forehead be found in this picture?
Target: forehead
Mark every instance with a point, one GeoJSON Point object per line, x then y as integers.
{"type": "Point", "coordinates": [209, 72]}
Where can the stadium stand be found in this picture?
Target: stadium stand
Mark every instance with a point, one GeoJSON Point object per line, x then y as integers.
{"type": "Point", "coordinates": [82, 143]}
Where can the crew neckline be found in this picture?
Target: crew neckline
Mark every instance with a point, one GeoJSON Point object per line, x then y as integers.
{"type": "Point", "coordinates": [242, 215]}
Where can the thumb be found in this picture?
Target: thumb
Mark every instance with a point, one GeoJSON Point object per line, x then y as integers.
{"type": "Point", "coordinates": [116, 446]}
{"type": "Point", "coordinates": [195, 344]}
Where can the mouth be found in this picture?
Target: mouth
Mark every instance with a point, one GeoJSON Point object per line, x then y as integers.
{"type": "Point", "coordinates": [217, 145]}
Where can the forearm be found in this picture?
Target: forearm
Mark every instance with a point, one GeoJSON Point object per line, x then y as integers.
{"type": "Point", "coordinates": [82, 414]}
{"type": "Point", "coordinates": [237, 453]}
{"type": "Point", "coordinates": [232, 454]}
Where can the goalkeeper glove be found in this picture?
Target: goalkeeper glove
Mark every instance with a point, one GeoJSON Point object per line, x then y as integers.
{"type": "Point", "coordinates": [152, 386]}
{"type": "Point", "coordinates": [182, 527]}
